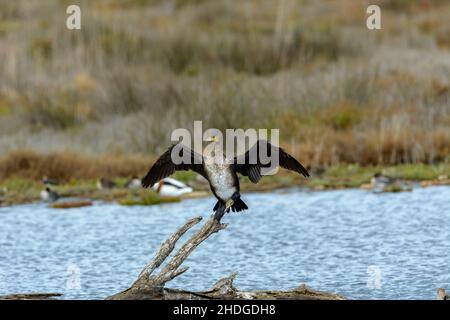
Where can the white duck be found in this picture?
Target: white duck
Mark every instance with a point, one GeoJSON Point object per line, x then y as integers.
{"type": "Point", "coordinates": [169, 187]}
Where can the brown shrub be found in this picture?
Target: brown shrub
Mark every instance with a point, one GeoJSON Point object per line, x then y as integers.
{"type": "Point", "coordinates": [66, 165]}
{"type": "Point", "coordinates": [338, 93]}
{"type": "Point", "coordinates": [343, 116]}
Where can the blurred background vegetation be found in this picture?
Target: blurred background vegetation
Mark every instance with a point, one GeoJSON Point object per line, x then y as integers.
{"type": "Point", "coordinates": [138, 69]}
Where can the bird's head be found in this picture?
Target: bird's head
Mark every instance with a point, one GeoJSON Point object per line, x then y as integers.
{"type": "Point", "coordinates": [212, 138]}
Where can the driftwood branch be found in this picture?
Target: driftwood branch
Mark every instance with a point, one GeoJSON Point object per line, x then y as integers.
{"type": "Point", "coordinates": [441, 295]}
{"type": "Point", "coordinates": [31, 296]}
{"type": "Point", "coordinates": [167, 247]}
{"type": "Point", "coordinates": [152, 286]}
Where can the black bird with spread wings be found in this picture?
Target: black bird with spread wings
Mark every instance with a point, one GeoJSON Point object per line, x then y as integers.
{"type": "Point", "coordinates": [222, 175]}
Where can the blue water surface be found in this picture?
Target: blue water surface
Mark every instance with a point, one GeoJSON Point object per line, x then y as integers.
{"type": "Point", "coordinates": [352, 242]}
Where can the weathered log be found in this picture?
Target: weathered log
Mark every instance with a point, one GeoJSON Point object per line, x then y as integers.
{"type": "Point", "coordinates": [152, 286]}
{"type": "Point", "coordinates": [441, 295]}
{"type": "Point", "coordinates": [70, 204]}
{"type": "Point", "coordinates": [31, 296]}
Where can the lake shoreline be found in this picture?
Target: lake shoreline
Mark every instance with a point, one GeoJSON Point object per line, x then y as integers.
{"type": "Point", "coordinates": [23, 191]}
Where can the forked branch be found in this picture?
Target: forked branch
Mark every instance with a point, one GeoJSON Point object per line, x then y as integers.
{"type": "Point", "coordinates": [152, 286]}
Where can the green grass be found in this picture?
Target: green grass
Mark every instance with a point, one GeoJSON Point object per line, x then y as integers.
{"type": "Point", "coordinates": [185, 176]}
{"type": "Point", "coordinates": [418, 171]}
{"type": "Point", "coordinates": [86, 183]}
{"type": "Point", "coordinates": [18, 190]}
{"type": "Point", "coordinates": [8, 26]}
{"type": "Point", "coordinates": [343, 117]}
{"type": "Point", "coordinates": [344, 176]}
{"type": "Point", "coordinates": [22, 190]}
{"type": "Point", "coordinates": [353, 176]}
{"type": "Point", "coordinates": [147, 199]}
{"type": "Point", "coordinates": [5, 110]}
{"type": "Point", "coordinates": [18, 184]}
{"type": "Point", "coordinates": [121, 182]}
{"type": "Point", "coordinates": [395, 188]}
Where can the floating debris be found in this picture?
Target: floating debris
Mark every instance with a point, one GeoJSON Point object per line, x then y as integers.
{"type": "Point", "coordinates": [31, 296]}
{"type": "Point", "coordinates": [69, 205]}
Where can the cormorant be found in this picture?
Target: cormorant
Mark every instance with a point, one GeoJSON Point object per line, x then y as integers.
{"type": "Point", "coordinates": [222, 175]}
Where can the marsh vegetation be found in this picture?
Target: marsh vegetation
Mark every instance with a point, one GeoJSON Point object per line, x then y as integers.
{"type": "Point", "coordinates": [80, 105]}
{"type": "Point", "coordinates": [339, 92]}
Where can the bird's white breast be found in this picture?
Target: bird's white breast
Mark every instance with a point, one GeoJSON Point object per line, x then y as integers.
{"type": "Point", "coordinates": [221, 179]}
{"type": "Point", "coordinates": [45, 195]}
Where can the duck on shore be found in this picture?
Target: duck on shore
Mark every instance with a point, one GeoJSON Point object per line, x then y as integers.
{"type": "Point", "coordinates": [384, 183]}
{"type": "Point", "coordinates": [104, 183]}
{"type": "Point", "coordinates": [49, 181]}
{"type": "Point", "coordinates": [316, 171]}
{"type": "Point", "coordinates": [134, 183]}
{"type": "Point", "coordinates": [380, 181]}
{"type": "Point", "coordinates": [169, 187]}
{"type": "Point", "coordinates": [49, 195]}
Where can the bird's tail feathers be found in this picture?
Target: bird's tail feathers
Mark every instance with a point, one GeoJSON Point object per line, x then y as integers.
{"type": "Point", "coordinates": [239, 205]}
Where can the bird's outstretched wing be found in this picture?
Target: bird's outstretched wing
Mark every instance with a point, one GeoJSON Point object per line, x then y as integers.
{"type": "Point", "coordinates": [164, 166]}
{"type": "Point", "coordinates": [250, 163]}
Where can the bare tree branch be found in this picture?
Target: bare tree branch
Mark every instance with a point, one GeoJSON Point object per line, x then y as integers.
{"type": "Point", "coordinates": [152, 286]}
{"type": "Point", "coordinates": [168, 246]}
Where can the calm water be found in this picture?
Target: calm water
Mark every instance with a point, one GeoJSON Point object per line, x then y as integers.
{"type": "Point", "coordinates": [352, 242]}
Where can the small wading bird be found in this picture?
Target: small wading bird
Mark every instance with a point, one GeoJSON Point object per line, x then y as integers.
{"type": "Point", "coordinates": [222, 175]}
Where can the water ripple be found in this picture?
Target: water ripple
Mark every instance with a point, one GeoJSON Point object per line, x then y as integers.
{"type": "Point", "coordinates": [331, 240]}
